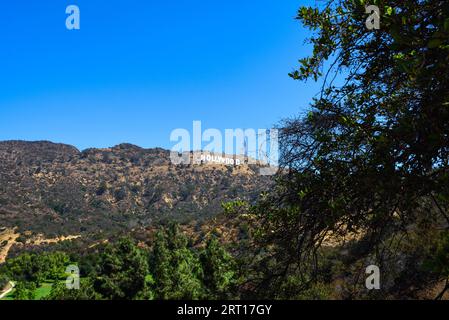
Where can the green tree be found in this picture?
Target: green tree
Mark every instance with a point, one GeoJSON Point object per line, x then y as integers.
{"type": "Point", "coordinates": [4, 280]}
{"type": "Point", "coordinates": [220, 272]}
{"type": "Point", "coordinates": [372, 153]}
{"type": "Point", "coordinates": [33, 267]}
{"type": "Point", "coordinates": [176, 267]}
{"type": "Point", "coordinates": [86, 291]}
{"type": "Point", "coordinates": [52, 266]}
{"type": "Point", "coordinates": [23, 268]}
{"type": "Point", "coordinates": [25, 291]}
{"type": "Point", "coordinates": [187, 275]}
{"type": "Point", "coordinates": [162, 267]}
{"type": "Point", "coordinates": [122, 271]}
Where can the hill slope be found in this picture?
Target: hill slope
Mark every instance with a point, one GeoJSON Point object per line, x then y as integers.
{"type": "Point", "coordinates": [56, 189]}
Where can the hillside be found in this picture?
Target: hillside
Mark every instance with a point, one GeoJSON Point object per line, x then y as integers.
{"type": "Point", "coordinates": [55, 189]}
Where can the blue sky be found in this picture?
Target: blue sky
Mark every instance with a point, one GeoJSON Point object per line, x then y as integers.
{"type": "Point", "coordinates": [136, 70]}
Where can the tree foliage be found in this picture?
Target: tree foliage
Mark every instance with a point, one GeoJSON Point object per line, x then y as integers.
{"type": "Point", "coordinates": [122, 271]}
{"type": "Point", "coordinates": [33, 267]}
{"type": "Point", "coordinates": [177, 269]}
{"type": "Point", "coordinates": [25, 291]}
{"type": "Point", "coordinates": [86, 291]}
{"type": "Point", "coordinates": [220, 270]}
{"type": "Point", "coordinates": [372, 154]}
{"type": "Point", "coordinates": [169, 267]}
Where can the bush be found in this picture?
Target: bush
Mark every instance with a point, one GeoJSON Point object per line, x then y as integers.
{"type": "Point", "coordinates": [120, 194]}
{"type": "Point", "coordinates": [4, 280]}
{"type": "Point", "coordinates": [25, 291]}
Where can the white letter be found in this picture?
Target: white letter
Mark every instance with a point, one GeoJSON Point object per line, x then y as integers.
{"type": "Point", "coordinates": [73, 20]}
{"type": "Point", "coordinates": [180, 148]}
{"type": "Point", "coordinates": [73, 280]}
{"type": "Point", "coordinates": [373, 281]}
{"type": "Point", "coordinates": [271, 157]}
{"type": "Point", "coordinates": [215, 136]}
{"type": "Point", "coordinates": [373, 20]}
{"type": "Point", "coordinates": [197, 143]}
{"type": "Point", "coordinates": [241, 147]}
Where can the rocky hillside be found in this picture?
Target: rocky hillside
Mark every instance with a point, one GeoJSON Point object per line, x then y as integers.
{"type": "Point", "coordinates": [56, 189]}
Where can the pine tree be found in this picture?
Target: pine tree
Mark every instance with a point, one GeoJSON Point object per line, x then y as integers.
{"type": "Point", "coordinates": [220, 274]}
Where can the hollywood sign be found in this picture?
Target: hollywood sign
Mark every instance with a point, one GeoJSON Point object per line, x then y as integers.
{"type": "Point", "coordinates": [219, 160]}
{"type": "Point", "coordinates": [259, 147]}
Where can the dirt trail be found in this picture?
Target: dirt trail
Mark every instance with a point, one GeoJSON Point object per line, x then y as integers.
{"type": "Point", "coordinates": [8, 236]}
{"type": "Point", "coordinates": [40, 240]}
{"type": "Point", "coordinates": [9, 287]}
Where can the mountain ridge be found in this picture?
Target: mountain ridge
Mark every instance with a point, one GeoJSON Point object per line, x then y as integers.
{"type": "Point", "coordinates": [54, 188]}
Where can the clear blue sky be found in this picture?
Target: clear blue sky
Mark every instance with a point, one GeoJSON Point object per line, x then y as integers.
{"type": "Point", "coordinates": [139, 69]}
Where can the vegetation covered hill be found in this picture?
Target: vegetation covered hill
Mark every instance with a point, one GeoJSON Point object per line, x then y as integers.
{"type": "Point", "coordinates": [55, 189]}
